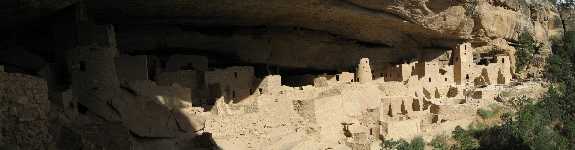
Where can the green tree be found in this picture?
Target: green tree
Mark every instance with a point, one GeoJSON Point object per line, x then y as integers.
{"type": "Point", "coordinates": [526, 47]}
{"type": "Point", "coordinates": [548, 123]}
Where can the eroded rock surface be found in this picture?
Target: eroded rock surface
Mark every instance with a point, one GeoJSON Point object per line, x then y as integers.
{"type": "Point", "coordinates": [260, 31]}
{"type": "Point", "coordinates": [297, 34]}
{"type": "Point", "coordinates": [24, 109]}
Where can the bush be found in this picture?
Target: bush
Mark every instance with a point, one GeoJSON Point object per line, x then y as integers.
{"type": "Point", "coordinates": [485, 113]}
{"type": "Point", "coordinates": [505, 94]}
{"type": "Point", "coordinates": [440, 143]}
{"type": "Point", "coordinates": [464, 140]}
{"type": "Point", "coordinates": [415, 144]}
{"type": "Point", "coordinates": [394, 144]}
{"type": "Point", "coordinates": [499, 137]}
{"type": "Point", "coordinates": [476, 127]}
{"type": "Point", "coordinates": [517, 103]}
{"type": "Point", "coordinates": [493, 110]}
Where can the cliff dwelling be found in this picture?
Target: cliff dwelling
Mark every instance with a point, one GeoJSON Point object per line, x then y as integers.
{"type": "Point", "coordinates": [303, 74]}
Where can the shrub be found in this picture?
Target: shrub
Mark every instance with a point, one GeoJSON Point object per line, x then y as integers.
{"type": "Point", "coordinates": [517, 103]}
{"type": "Point", "coordinates": [485, 113]}
{"type": "Point", "coordinates": [489, 112]}
{"type": "Point", "coordinates": [440, 143]}
{"type": "Point", "coordinates": [505, 94]}
{"type": "Point", "coordinates": [495, 108]}
{"type": "Point", "coordinates": [394, 144]}
{"type": "Point", "coordinates": [464, 140]}
{"type": "Point", "coordinates": [415, 144]}
{"type": "Point", "coordinates": [476, 127]}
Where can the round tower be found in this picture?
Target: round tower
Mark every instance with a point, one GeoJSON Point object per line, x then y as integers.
{"type": "Point", "coordinates": [364, 71]}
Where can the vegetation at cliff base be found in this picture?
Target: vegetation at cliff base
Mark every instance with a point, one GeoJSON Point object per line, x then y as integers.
{"type": "Point", "coordinates": [440, 142]}
{"type": "Point", "coordinates": [415, 144]}
{"type": "Point", "coordinates": [489, 112]}
{"type": "Point", "coordinates": [548, 123]}
{"type": "Point", "coordinates": [526, 48]}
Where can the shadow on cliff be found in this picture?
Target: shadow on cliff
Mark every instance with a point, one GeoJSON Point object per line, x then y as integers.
{"type": "Point", "coordinates": [160, 123]}
{"type": "Point", "coordinates": [141, 123]}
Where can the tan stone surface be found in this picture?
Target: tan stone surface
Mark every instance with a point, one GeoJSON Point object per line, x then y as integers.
{"type": "Point", "coordinates": [364, 73]}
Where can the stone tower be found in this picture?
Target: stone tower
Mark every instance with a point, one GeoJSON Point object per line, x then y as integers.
{"type": "Point", "coordinates": [364, 71]}
{"type": "Point", "coordinates": [504, 74]}
{"type": "Point", "coordinates": [462, 60]}
{"type": "Point", "coordinates": [93, 70]}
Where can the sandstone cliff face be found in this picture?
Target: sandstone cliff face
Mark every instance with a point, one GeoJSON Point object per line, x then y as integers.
{"type": "Point", "coordinates": [16, 12]}
{"type": "Point", "coordinates": [295, 33]}
{"type": "Point", "coordinates": [298, 33]}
